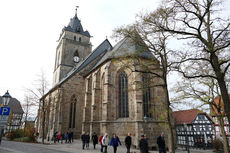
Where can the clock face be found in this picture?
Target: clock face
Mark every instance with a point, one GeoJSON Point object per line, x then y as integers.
{"type": "Point", "coordinates": [76, 59]}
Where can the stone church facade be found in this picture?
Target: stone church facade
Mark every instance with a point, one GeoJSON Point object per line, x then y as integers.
{"type": "Point", "coordinates": [97, 91]}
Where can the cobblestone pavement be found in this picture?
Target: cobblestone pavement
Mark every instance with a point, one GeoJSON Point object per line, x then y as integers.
{"type": "Point", "coordinates": [75, 147]}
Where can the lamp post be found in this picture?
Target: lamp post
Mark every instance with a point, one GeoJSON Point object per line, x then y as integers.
{"type": "Point", "coordinates": [186, 137]}
{"type": "Point", "coordinates": [6, 98]}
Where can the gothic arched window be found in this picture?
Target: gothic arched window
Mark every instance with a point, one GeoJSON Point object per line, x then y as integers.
{"type": "Point", "coordinates": [146, 95]}
{"type": "Point", "coordinates": [123, 103]}
{"type": "Point", "coordinates": [72, 114]}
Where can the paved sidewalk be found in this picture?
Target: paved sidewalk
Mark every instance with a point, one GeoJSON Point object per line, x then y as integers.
{"type": "Point", "coordinates": [76, 147]}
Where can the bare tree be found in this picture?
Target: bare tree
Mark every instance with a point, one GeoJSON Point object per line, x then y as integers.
{"type": "Point", "coordinates": [204, 90]}
{"type": "Point", "coordinates": [207, 36]}
{"type": "Point", "coordinates": [40, 87]}
{"type": "Point", "coordinates": [28, 107]}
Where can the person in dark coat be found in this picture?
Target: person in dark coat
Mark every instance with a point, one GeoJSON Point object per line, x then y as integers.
{"type": "Point", "coordinates": [143, 145]}
{"type": "Point", "coordinates": [87, 140]}
{"type": "Point", "coordinates": [161, 143]}
{"type": "Point", "coordinates": [62, 137]}
{"type": "Point", "coordinates": [115, 141]}
{"type": "Point", "coordinates": [55, 137]}
{"type": "Point", "coordinates": [95, 140]}
{"type": "Point", "coordinates": [83, 139]}
{"type": "Point", "coordinates": [128, 142]}
{"type": "Point", "coordinates": [70, 137]}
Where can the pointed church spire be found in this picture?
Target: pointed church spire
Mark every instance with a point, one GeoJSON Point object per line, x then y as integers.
{"type": "Point", "coordinates": [75, 25]}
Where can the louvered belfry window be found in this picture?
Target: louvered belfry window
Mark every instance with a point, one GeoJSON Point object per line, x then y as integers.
{"type": "Point", "coordinates": [123, 95]}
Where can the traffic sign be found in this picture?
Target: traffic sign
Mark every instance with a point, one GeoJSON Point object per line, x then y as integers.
{"type": "Point", "coordinates": [3, 119]}
{"type": "Point", "coordinates": [5, 111]}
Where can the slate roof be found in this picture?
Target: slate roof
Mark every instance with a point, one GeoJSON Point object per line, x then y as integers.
{"type": "Point", "coordinates": [185, 116]}
{"type": "Point", "coordinates": [125, 48]}
{"type": "Point", "coordinates": [75, 26]}
{"type": "Point", "coordinates": [15, 105]}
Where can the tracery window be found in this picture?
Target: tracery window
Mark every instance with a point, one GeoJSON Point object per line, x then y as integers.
{"type": "Point", "coordinates": [72, 114]}
{"type": "Point", "coordinates": [123, 104]}
{"type": "Point", "coordinates": [146, 95]}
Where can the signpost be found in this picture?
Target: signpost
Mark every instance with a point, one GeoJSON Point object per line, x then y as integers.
{"type": "Point", "coordinates": [4, 116]}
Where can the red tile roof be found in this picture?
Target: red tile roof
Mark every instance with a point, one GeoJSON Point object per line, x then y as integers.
{"type": "Point", "coordinates": [185, 116]}
{"type": "Point", "coordinates": [217, 100]}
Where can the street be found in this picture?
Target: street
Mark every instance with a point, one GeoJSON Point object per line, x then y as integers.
{"type": "Point", "coordinates": [75, 147]}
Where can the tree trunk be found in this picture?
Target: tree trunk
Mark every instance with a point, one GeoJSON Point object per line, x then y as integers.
{"type": "Point", "coordinates": [43, 121]}
{"type": "Point", "coordinates": [222, 84]}
{"type": "Point", "coordinates": [225, 140]}
{"type": "Point", "coordinates": [171, 144]}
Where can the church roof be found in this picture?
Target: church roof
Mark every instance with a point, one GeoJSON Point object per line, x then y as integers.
{"type": "Point", "coordinates": [75, 26]}
{"type": "Point", "coordinates": [15, 105]}
{"type": "Point", "coordinates": [125, 48]}
{"type": "Point", "coordinates": [105, 52]}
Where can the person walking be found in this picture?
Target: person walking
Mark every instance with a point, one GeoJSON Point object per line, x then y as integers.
{"type": "Point", "coordinates": [59, 137]}
{"type": "Point", "coordinates": [55, 137]}
{"type": "Point", "coordinates": [128, 142]}
{"type": "Point", "coordinates": [105, 142]}
{"type": "Point", "coordinates": [66, 137]}
{"type": "Point", "coordinates": [62, 137]}
{"type": "Point", "coordinates": [143, 145]}
{"type": "Point", "coordinates": [115, 141]}
{"type": "Point", "coordinates": [95, 140]}
{"type": "Point", "coordinates": [100, 140]}
{"type": "Point", "coordinates": [87, 137]}
{"type": "Point", "coordinates": [83, 139]}
{"type": "Point", "coordinates": [69, 137]}
{"type": "Point", "coordinates": [161, 143]}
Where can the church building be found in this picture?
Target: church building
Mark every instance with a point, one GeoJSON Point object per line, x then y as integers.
{"type": "Point", "coordinates": [100, 91]}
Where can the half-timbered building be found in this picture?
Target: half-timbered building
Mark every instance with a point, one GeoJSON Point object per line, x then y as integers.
{"type": "Point", "coordinates": [193, 128]}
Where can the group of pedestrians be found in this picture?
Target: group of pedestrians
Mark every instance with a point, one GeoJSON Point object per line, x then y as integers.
{"type": "Point", "coordinates": [105, 141]}
{"type": "Point", "coordinates": [115, 142]}
{"type": "Point", "coordinates": [61, 137]}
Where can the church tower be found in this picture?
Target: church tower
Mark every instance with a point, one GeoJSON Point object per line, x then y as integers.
{"type": "Point", "coordinates": [73, 47]}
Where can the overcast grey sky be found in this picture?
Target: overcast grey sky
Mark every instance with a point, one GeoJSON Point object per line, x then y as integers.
{"type": "Point", "coordinates": [30, 28]}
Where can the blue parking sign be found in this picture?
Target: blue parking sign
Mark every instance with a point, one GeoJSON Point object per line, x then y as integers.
{"type": "Point", "coordinates": [5, 111]}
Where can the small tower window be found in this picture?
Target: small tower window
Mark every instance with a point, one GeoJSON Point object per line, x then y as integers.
{"type": "Point", "coordinates": [79, 39]}
{"type": "Point", "coordinates": [74, 38]}
{"type": "Point", "coordinates": [76, 57]}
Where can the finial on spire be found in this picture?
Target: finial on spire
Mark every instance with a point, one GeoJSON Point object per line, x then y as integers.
{"type": "Point", "coordinates": [76, 9]}
{"type": "Point", "coordinates": [106, 37]}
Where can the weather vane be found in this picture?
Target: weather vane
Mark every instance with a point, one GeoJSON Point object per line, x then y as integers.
{"type": "Point", "coordinates": [77, 7]}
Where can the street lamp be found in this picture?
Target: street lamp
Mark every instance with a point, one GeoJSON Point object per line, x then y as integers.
{"type": "Point", "coordinates": [186, 137]}
{"type": "Point", "coordinates": [6, 98]}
